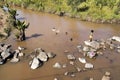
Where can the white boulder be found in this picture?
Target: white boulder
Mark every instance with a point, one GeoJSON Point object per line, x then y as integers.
{"type": "Point", "coordinates": [35, 63]}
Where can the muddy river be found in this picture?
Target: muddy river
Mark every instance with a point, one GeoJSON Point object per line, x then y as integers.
{"type": "Point", "coordinates": [40, 34]}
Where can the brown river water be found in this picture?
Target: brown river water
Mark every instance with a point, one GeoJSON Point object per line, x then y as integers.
{"type": "Point", "coordinates": [40, 34]}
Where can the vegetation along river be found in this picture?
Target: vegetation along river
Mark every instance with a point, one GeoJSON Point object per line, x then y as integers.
{"type": "Point", "coordinates": [40, 34]}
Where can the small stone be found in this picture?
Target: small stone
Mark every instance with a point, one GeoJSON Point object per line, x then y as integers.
{"type": "Point", "coordinates": [82, 60]}
{"type": "Point", "coordinates": [71, 62]}
{"type": "Point", "coordinates": [105, 78]}
{"type": "Point", "coordinates": [78, 69]}
{"type": "Point", "coordinates": [21, 54]}
{"type": "Point", "coordinates": [91, 79]}
{"type": "Point", "coordinates": [64, 65]}
{"type": "Point", "coordinates": [89, 66]}
{"type": "Point", "coordinates": [51, 55]}
{"type": "Point", "coordinates": [15, 60]}
{"type": "Point", "coordinates": [118, 50]}
{"type": "Point", "coordinates": [55, 78]}
{"type": "Point", "coordinates": [107, 73]}
{"type": "Point", "coordinates": [57, 65]}
{"type": "Point", "coordinates": [66, 73]}
{"type": "Point", "coordinates": [42, 56]}
{"type": "Point", "coordinates": [71, 57]}
{"type": "Point", "coordinates": [66, 51]}
{"type": "Point", "coordinates": [72, 75]}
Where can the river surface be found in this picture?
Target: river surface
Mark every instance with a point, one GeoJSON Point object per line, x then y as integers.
{"type": "Point", "coordinates": [40, 34]}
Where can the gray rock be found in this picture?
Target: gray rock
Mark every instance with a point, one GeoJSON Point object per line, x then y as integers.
{"type": "Point", "coordinates": [86, 49]}
{"type": "Point", "coordinates": [82, 60]}
{"type": "Point", "coordinates": [79, 47]}
{"type": "Point", "coordinates": [57, 65]}
{"type": "Point", "coordinates": [15, 60]}
{"type": "Point", "coordinates": [38, 50]}
{"type": "Point", "coordinates": [116, 38]}
{"type": "Point", "coordinates": [71, 57]}
{"type": "Point", "coordinates": [93, 44]}
{"type": "Point", "coordinates": [72, 62]}
{"type": "Point", "coordinates": [42, 56]}
{"type": "Point", "coordinates": [21, 54]}
{"type": "Point", "coordinates": [105, 78]}
{"type": "Point", "coordinates": [5, 54]}
{"type": "Point", "coordinates": [89, 66]}
{"type": "Point", "coordinates": [51, 55]}
{"type": "Point", "coordinates": [91, 79]}
{"type": "Point", "coordinates": [107, 73]}
{"type": "Point", "coordinates": [64, 65]}
{"type": "Point", "coordinates": [78, 69]}
{"type": "Point", "coordinates": [2, 61]}
{"type": "Point", "coordinates": [35, 63]}
{"type": "Point", "coordinates": [118, 50]}
{"type": "Point", "coordinates": [55, 78]}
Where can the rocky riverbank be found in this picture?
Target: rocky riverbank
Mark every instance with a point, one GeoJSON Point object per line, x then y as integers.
{"type": "Point", "coordinates": [4, 24]}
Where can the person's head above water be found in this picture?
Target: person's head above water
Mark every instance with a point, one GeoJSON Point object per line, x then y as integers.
{"type": "Point", "coordinates": [92, 31]}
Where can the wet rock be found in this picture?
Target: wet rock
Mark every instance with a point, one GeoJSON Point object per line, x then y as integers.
{"type": "Point", "coordinates": [78, 69]}
{"type": "Point", "coordinates": [118, 50]}
{"type": "Point", "coordinates": [21, 54]}
{"type": "Point", "coordinates": [107, 73]}
{"type": "Point", "coordinates": [35, 63]}
{"type": "Point", "coordinates": [64, 65]}
{"type": "Point", "coordinates": [66, 73]}
{"type": "Point", "coordinates": [72, 62]}
{"type": "Point", "coordinates": [21, 48]}
{"type": "Point", "coordinates": [69, 74]}
{"type": "Point", "coordinates": [71, 57]}
{"type": "Point", "coordinates": [51, 55]}
{"type": "Point", "coordinates": [38, 50]}
{"type": "Point", "coordinates": [2, 61]}
{"type": "Point", "coordinates": [82, 60]}
{"type": "Point", "coordinates": [15, 60]}
{"type": "Point", "coordinates": [79, 47]}
{"type": "Point", "coordinates": [91, 79]}
{"type": "Point", "coordinates": [42, 56]}
{"type": "Point", "coordinates": [101, 53]}
{"type": "Point", "coordinates": [93, 44]}
{"type": "Point", "coordinates": [116, 38]}
{"type": "Point", "coordinates": [57, 65]}
{"type": "Point", "coordinates": [66, 51]}
{"type": "Point", "coordinates": [105, 78]}
{"type": "Point", "coordinates": [112, 46]}
{"type": "Point", "coordinates": [55, 78]}
{"type": "Point", "coordinates": [89, 66]}
{"type": "Point", "coordinates": [72, 75]}
{"type": "Point", "coordinates": [16, 54]}
{"type": "Point", "coordinates": [86, 48]}
{"type": "Point", "coordinates": [5, 54]}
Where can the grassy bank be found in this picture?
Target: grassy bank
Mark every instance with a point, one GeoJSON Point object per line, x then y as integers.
{"type": "Point", "coordinates": [101, 11]}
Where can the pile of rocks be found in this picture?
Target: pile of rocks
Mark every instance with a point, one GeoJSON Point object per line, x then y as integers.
{"type": "Point", "coordinates": [6, 53]}
{"type": "Point", "coordinates": [40, 56]}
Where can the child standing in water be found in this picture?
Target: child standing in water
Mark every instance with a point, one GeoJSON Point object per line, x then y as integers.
{"type": "Point", "coordinates": [91, 35]}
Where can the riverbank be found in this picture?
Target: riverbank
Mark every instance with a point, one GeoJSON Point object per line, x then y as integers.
{"type": "Point", "coordinates": [4, 24]}
{"type": "Point", "coordinates": [92, 11]}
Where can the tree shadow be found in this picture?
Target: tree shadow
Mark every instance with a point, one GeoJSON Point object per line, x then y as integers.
{"type": "Point", "coordinates": [34, 36]}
